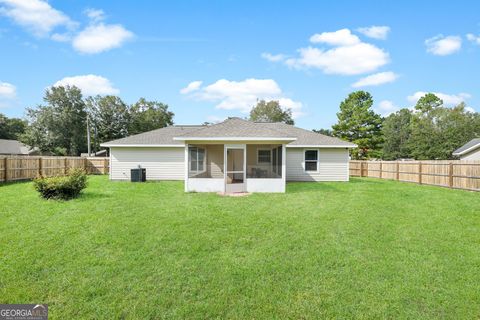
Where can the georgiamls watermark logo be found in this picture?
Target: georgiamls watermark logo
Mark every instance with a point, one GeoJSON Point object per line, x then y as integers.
{"type": "Point", "coordinates": [23, 312]}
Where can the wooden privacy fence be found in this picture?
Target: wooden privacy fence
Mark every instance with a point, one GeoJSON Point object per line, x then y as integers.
{"type": "Point", "coordinates": [25, 168]}
{"type": "Point", "coordinates": [458, 174]}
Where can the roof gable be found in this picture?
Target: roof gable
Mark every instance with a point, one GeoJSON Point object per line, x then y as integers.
{"type": "Point", "coordinates": [469, 146]}
{"type": "Point", "coordinates": [236, 127]}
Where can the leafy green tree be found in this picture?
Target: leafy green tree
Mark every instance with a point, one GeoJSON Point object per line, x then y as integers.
{"type": "Point", "coordinates": [110, 118]}
{"type": "Point", "coordinates": [149, 115]}
{"type": "Point", "coordinates": [11, 128]}
{"type": "Point", "coordinates": [358, 123]}
{"type": "Point", "coordinates": [436, 131]}
{"type": "Point", "coordinates": [271, 111]}
{"type": "Point", "coordinates": [60, 125]}
{"type": "Point", "coordinates": [396, 132]}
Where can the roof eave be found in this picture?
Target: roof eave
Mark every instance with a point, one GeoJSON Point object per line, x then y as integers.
{"type": "Point", "coordinates": [234, 139]}
{"type": "Point", "coordinates": [112, 145]}
{"type": "Point", "coordinates": [320, 146]}
{"type": "Point", "coordinates": [455, 153]}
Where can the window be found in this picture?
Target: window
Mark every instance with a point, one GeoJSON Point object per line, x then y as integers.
{"type": "Point", "coordinates": [264, 156]}
{"type": "Point", "coordinates": [311, 160]}
{"type": "Point", "coordinates": [197, 159]}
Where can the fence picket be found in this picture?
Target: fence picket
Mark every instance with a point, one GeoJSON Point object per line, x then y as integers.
{"type": "Point", "coordinates": [456, 174]}
{"type": "Point", "coordinates": [25, 168]}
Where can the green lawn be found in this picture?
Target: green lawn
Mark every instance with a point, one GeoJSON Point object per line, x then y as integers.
{"type": "Point", "coordinates": [364, 249]}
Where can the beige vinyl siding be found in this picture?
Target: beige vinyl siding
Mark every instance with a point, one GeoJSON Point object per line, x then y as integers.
{"type": "Point", "coordinates": [332, 165]}
{"type": "Point", "coordinates": [161, 163]}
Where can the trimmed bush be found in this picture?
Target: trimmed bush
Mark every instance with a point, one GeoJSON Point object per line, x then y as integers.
{"type": "Point", "coordinates": [62, 187]}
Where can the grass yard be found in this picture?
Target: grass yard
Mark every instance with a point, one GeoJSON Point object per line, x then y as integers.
{"type": "Point", "coordinates": [364, 249]}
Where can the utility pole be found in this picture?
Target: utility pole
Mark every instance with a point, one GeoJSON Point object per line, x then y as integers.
{"type": "Point", "coordinates": [88, 135]}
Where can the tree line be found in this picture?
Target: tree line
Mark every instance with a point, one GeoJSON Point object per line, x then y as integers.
{"type": "Point", "coordinates": [59, 125]}
{"type": "Point", "coordinates": [428, 131]}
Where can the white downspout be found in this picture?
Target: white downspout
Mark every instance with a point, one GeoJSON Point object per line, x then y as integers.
{"type": "Point", "coordinates": [284, 166]}
{"type": "Point", "coordinates": [186, 167]}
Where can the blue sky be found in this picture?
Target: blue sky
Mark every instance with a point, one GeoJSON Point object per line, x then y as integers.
{"type": "Point", "coordinates": [212, 59]}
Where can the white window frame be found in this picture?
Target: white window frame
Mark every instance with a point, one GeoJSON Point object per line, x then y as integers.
{"type": "Point", "coordinates": [196, 172]}
{"type": "Point", "coordinates": [258, 153]}
{"type": "Point", "coordinates": [305, 161]}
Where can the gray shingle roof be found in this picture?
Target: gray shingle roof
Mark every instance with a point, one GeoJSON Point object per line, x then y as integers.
{"type": "Point", "coordinates": [14, 147]}
{"type": "Point", "coordinates": [231, 128]}
{"type": "Point", "coordinates": [236, 127]}
{"type": "Point", "coordinates": [163, 136]}
{"type": "Point", "coordinates": [307, 137]}
{"type": "Point", "coordinates": [470, 144]}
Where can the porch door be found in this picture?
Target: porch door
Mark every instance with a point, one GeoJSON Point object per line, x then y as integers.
{"type": "Point", "coordinates": [235, 169]}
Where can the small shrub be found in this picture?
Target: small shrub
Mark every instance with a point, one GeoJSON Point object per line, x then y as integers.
{"type": "Point", "coordinates": [62, 187]}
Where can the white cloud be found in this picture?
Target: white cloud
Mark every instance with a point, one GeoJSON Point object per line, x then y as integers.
{"type": "Point", "coordinates": [7, 90]}
{"type": "Point", "coordinates": [341, 37]}
{"type": "Point", "coordinates": [349, 55]}
{"type": "Point", "coordinates": [192, 86]}
{"type": "Point", "coordinates": [386, 107]}
{"type": "Point", "coordinates": [61, 37]}
{"type": "Point", "coordinates": [273, 57]}
{"type": "Point", "coordinates": [448, 99]}
{"type": "Point", "coordinates": [470, 109]}
{"type": "Point", "coordinates": [95, 14]}
{"type": "Point", "coordinates": [101, 37]}
{"type": "Point", "coordinates": [376, 79]}
{"type": "Point", "coordinates": [89, 84]}
{"type": "Point", "coordinates": [473, 38]}
{"type": "Point", "coordinates": [375, 32]}
{"type": "Point", "coordinates": [243, 95]}
{"type": "Point", "coordinates": [442, 46]}
{"type": "Point", "coordinates": [37, 16]}
{"type": "Point", "coordinates": [345, 60]}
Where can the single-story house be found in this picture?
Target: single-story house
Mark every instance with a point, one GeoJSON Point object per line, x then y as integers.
{"type": "Point", "coordinates": [469, 151]}
{"type": "Point", "coordinates": [16, 148]}
{"type": "Point", "coordinates": [235, 155]}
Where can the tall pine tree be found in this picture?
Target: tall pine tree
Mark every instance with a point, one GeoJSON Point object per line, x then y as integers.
{"type": "Point", "coordinates": [358, 123]}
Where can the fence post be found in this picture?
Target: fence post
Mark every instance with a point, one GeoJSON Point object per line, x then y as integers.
{"type": "Point", "coordinates": [65, 168]}
{"type": "Point", "coordinates": [105, 166]}
{"type": "Point", "coordinates": [5, 167]}
{"type": "Point", "coordinates": [450, 175]}
{"type": "Point", "coordinates": [361, 168]}
{"type": "Point", "coordinates": [40, 173]}
{"type": "Point", "coordinates": [85, 164]}
{"type": "Point", "coordinates": [398, 170]}
{"type": "Point", "coordinates": [419, 172]}
{"type": "Point", "coordinates": [381, 169]}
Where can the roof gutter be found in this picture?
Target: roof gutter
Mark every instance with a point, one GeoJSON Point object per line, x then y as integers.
{"type": "Point", "coordinates": [320, 146]}
{"type": "Point", "coordinates": [109, 145]}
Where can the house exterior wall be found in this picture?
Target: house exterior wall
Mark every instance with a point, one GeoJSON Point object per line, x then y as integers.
{"type": "Point", "coordinates": [472, 155]}
{"type": "Point", "coordinates": [332, 165]}
{"type": "Point", "coordinates": [169, 164]}
{"type": "Point", "coordinates": [161, 163]}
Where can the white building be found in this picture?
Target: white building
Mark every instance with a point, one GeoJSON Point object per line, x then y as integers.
{"type": "Point", "coordinates": [235, 155]}
{"type": "Point", "coordinates": [469, 151]}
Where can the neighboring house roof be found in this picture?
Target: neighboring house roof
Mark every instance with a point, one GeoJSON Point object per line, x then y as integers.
{"type": "Point", "coordinates": [469, 146]}
{"type": "Point", "coordinates": [232, 129]}
{"type": "Point", "coordinates": [15, 147]}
